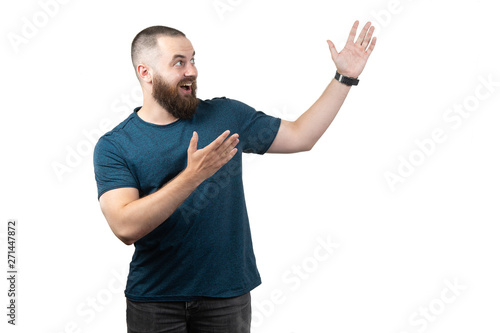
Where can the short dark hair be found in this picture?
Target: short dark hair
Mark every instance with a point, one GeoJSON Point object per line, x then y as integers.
{"type": "Point", "coordinates": [147, 41]}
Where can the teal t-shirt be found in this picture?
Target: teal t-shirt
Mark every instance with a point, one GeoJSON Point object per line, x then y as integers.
{"type": "Point", "coordinates": [204, 248]}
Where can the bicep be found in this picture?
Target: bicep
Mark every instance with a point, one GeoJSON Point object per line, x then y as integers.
{"type": "Point", "coordinates": [287, 139]}
{"type": "Point", "coordinates": [113, 201]}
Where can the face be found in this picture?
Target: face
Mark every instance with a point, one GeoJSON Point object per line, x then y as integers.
{"type": "Point", "coordinates": [174, 79]}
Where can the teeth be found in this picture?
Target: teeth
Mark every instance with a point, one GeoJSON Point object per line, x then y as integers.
{"type": "Point", "coordinates": [187, 84]}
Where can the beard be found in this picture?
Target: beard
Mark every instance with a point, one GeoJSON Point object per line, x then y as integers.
{"type": "Point", "coordinates": [168, 96]}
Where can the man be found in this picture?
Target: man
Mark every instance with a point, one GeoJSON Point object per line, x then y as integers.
{"type": "Point", "coordinates": [169, 182]}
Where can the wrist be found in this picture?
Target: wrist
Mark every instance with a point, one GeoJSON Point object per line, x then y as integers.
{"type": "Point", "coordinates": [346, 80]}
{"type": "Point", "coordinates": [191, 178]}
{"type": "Point", "coordinates": [347, 74]}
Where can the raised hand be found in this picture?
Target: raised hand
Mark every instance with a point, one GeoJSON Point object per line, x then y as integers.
{"type": "Point", "coordinates": [203, 163]}
{"type": "Point", "coordinates": [353, 57]}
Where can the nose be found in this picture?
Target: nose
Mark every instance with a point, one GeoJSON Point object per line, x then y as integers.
{"type": "Point", "coordinates": [191, 70]}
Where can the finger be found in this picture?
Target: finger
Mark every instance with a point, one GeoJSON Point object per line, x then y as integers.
{"type": "Point", "coordinates": [352, 34]}
{"type": "Point", "coordinates": [217, 142]}
{"type": "Point", "coordinates": [368, 37]}
{"type": "Point", "coordinates": [333, 50]}
{"type": "Point", "coordinates": [193, 143]}
{"type": "Point", "coordinates": [372, 46]}
{"type": "Point", "coordinates": [229, 156]}
{"type": "Point", "coordinates": [228, 145]}
{"type": "Point", "coordinates": [362, 34]}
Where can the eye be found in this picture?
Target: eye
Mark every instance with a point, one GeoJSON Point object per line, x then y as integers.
{"type": "Point", "coordinates": [192, 61]}
{"type": "Point", "coordinates": [178, 63]}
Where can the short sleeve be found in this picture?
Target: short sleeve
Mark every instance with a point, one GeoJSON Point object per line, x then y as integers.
{"type": "Point", "coordinates": [257, 130]}
{"type": "Point", "coordinates": [110, 168]}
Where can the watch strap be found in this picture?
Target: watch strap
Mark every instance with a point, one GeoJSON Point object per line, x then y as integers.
{"type": "Point", "coordinates": [350, 81]}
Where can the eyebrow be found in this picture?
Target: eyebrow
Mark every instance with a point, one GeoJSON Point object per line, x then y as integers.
{"type": "Point", "coordinates": [180, 56]}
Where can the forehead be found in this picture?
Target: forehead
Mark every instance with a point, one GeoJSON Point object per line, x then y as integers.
{"type": "Point", "coordinates": [169, 47]}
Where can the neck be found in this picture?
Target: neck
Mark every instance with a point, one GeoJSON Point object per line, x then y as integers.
{"type": "Point", "coordinates": [152, 112]}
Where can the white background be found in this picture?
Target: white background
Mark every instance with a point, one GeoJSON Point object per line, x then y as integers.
{"type": "Point", "coordinates": [397, 246]}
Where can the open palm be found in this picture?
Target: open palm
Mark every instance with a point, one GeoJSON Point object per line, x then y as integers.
{"type": "Point", "coordinates": [353, 57]}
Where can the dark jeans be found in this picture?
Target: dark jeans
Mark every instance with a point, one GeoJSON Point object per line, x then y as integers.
{"type": "Point", "coordinates": [214, 315]}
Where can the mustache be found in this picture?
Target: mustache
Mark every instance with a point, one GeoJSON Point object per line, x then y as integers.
{"type": "Point", "coordinates": [190, 79]}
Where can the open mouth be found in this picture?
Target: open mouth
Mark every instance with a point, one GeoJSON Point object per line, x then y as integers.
{"type": "Point", "coordinates": [186, 86]}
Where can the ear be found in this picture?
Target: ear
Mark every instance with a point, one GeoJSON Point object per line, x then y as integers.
{"type": "Point", "coordinates": [145, 73]}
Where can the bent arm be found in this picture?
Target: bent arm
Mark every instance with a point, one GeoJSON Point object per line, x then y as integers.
{"type": "Point", "coordinates": [131, 217]}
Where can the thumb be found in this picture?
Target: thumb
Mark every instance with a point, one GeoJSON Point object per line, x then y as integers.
{"type": "Point", "coordinates": [333, 50]}
{"type": "Point", "coordinates": [193, 144]}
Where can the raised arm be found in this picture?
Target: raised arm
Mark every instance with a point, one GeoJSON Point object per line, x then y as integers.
{"type": "Point", "coordinates": [303, 133]}
{"type": "Point", "coordinates": [131, 217]}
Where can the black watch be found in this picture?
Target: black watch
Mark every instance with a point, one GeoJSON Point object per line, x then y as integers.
{"type": "Point", "coordinates": [349, 81]}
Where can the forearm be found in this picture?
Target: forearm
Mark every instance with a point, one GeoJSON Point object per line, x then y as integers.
{"type": "Point", "coordinates": [131, 217]}
{"type": "Point", "coordinates": [311, 125]}
{"type": "Point", "coordinates": [138, 218]}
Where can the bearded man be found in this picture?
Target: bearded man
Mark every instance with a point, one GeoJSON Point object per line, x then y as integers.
{"type": "Point", "coordinates": [183, 206]}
